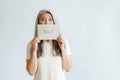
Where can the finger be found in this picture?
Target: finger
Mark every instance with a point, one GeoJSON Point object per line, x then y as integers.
{"type": "Point", "coordinates": [38, 40]}
{"type": "Point", "coordinates": [58, 38]}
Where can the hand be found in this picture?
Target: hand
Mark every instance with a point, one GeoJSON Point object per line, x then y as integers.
{"type": "Point", "coordinates": [61, 42]}
{"type": "Point", "coordinates": [34, 43]}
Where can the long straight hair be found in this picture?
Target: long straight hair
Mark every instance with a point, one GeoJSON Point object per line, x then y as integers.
{"type": "Point", "coordinates": [56, 48]}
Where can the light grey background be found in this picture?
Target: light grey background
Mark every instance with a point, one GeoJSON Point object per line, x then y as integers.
{"type": "Point", "coordinates": [92, 28]}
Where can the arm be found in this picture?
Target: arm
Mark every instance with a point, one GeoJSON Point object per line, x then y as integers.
{"type": "Point", "coordinates": [31, 65]}
{"type": "Point", "coordinates": [66, 59]}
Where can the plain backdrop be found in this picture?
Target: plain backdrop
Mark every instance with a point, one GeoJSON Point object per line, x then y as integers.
{"type": "Point", "coordinates": [92, 28]}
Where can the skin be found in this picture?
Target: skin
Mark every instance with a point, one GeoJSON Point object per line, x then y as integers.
{"type": "Point", "coordinates": [31, 65]}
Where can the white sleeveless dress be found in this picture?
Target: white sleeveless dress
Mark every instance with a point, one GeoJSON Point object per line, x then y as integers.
{"type": "Point", "coordinates": [49, 67]}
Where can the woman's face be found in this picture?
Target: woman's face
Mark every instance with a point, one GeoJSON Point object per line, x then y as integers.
{"type": "Point", "coordinates": [45, 18]}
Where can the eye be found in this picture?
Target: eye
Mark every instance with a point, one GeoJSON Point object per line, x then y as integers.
{"type": "Point", "coordinates": [42, 19]}
{"type": "Point", "coordinates": [50, 19]}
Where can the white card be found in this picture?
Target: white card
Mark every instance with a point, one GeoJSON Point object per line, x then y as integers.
{"type": "Point", "coordinates": [47, 32]}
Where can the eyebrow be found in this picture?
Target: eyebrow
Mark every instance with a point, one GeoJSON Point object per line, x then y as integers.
{"type": "Point", "coordinates": [44, 17]}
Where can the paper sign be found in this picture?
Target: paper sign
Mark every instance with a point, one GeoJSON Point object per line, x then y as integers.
{"type": "Point", "coordinates": [47, 32]}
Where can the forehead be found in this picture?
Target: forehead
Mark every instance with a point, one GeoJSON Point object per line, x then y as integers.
{"type": "Point", "coordinates": [45, 14]}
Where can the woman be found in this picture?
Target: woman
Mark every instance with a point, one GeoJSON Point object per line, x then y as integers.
{"type": "Point", "coordinates": [48, 59]}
